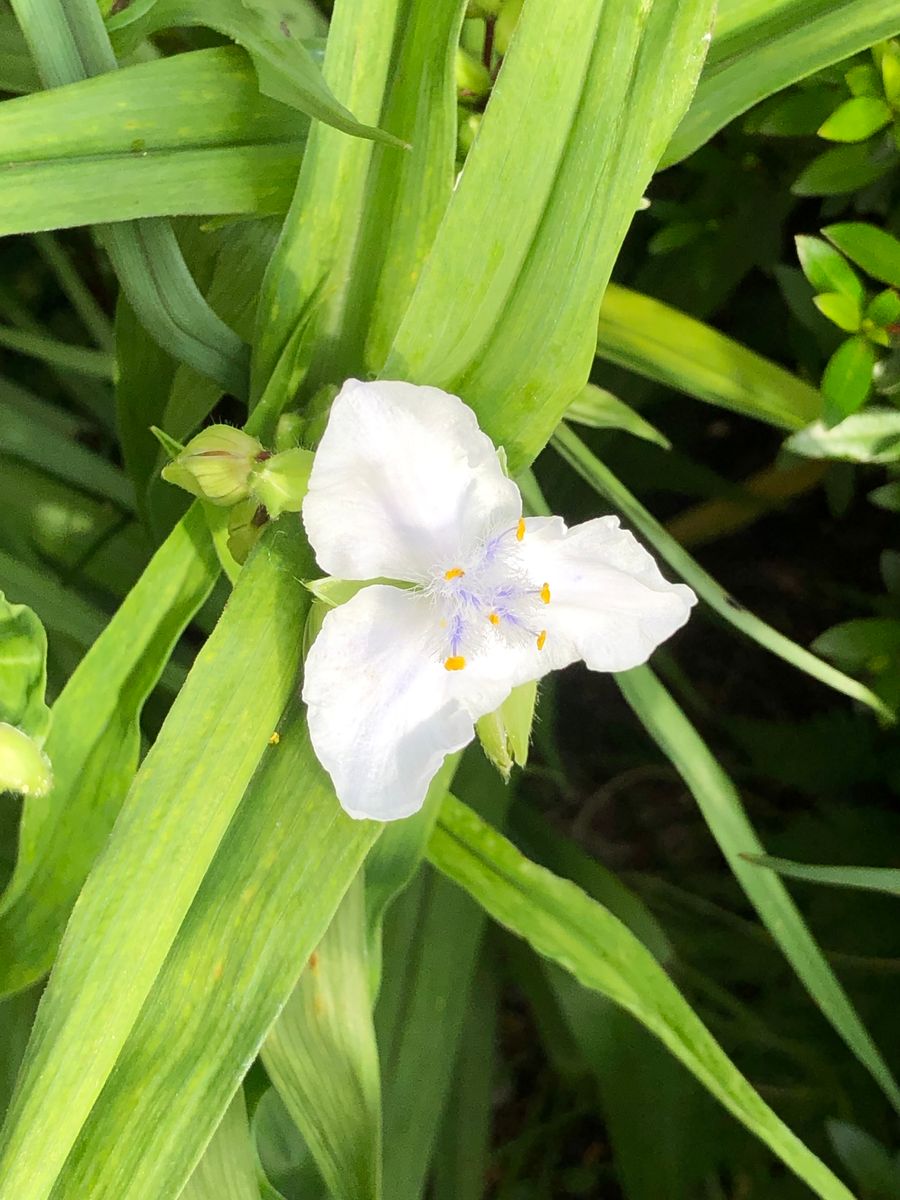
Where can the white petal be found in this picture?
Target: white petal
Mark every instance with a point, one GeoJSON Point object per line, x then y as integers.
{"type": "Point", "coordinates": [609, 604]}
{"type": "Point", "coordinates": [382, 708]}
{"type": "Point", "coordinates": [404, 482]}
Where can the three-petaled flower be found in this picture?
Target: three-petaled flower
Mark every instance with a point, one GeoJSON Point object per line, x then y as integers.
{"type": "Point", "coordinates": [406, 487]}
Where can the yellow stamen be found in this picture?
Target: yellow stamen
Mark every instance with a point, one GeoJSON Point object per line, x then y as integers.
{"type": "Point", "coordinates": [493, 618]}
{"type": "Point", "coordinates": [455, 662]}
{"type": "Point", "coordinates": [542, 637]}
{"type": "Point", "coordinates": [545, 593]}
{"type": "Point", "coordinates": [520, 529]}
{"type": "Point", "coordinates": [454, 573]}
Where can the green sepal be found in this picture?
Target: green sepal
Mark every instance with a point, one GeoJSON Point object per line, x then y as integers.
{"type": "Point", "coordinates": [505, 733]}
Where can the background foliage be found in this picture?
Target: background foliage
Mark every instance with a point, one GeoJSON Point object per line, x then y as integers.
{"type": "Point", "coordinates": [593, 981]}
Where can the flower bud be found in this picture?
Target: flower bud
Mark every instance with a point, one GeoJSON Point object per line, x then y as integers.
{"type": "Point", "coordinates": [473, 79]}
{"type": "Point", "coordinates": [280, 482]}
{"type": "Point", "coordinates": [245, 524]}
{"type": "Point", "coordinates": [24, 768]}
{"type": "Point", "coordinates": [215, 465]}
{"type": "Point", "coordinates": [506, 23]}
{"type": "Point", "coordinates": [505, 733]}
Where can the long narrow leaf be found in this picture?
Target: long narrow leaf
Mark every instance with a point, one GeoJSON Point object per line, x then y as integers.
{"type": "Point", "coordinates": [668, 346]}
{"type": "Point", "coordinates": [574, 127]}
{"type": "Point", "coordinates": [599, 476]}
{"type": "Point", "coordinates": [721, 807]}
{"type": "Point", "coordinates": [566, 926]}
{"type": "Point", "coordinates": [168, 831]}
{"type": "Point", "coordinates": [94, 745]}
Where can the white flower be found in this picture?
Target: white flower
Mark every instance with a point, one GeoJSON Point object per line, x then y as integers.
{"type": "Point", "coordinates": [405, 486]}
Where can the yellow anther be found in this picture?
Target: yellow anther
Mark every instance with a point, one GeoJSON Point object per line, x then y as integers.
{"type": "Point", "coordinates": [520, 529]}
{"type": "Point", "coordinates": [493, 618]}
{"type": "Point", "coordinates": [542, 637]}
{"type": "Point", "coordinates": [454, 573]}
{"type": "Point", "coordinates": [545, 593]}
{"type": "Point", "coordinates": [455, 662]}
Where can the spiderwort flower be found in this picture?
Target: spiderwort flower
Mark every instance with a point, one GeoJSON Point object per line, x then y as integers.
{"type": "Point", "coordinates": [406, 487]}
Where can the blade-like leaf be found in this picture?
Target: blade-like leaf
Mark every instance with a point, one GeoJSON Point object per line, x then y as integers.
{"type": "Point", "coordinates": [272, 36]}
{"type": "Point", "coordinates": [599, 476]}
{"type": "Point", "coordinates": [322, 1058]}
{"type": "Point", "coordinates": [227, 1170]}
{"type": "Point", "coordinates": [263, 907]}
{"type": "Point", "coordinates": [565, 925]}
{"type": "Point", "coordinates": [721, 807]}
{"type": "Point", "coordinates": [663, 344]}
{"type": "Point", "coordinates": [93, 745]}
{"type": "Point", "coordinates": [165, 838]}
{"type": "Point", "coordinates": [870, 879]}
{"type": "Point", "coordinates": [759, 48]}
{"type": "Point", "coordinates": [69, 43]}
{"type": "Point", "coordinates": [310, 263]}
{"type": "Point", "coordinates": [549, 151]}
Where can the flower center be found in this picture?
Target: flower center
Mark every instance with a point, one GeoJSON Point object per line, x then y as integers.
{"type": "Point", "coordinates": [488, 599]}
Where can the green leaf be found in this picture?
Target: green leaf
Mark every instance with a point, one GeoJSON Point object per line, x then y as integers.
{"type": "Point", "coordinates": [847, 380]}
{"type": "Point", "coordinates": [856, 120]}
{"type": "Point", "coordinates": [605, 483]}
{"type": "Point", "coordinates": [227, 1170]}
{"type": "Point", "coordinates": [827, 270]}
{"type": "Point", "coordinates": [759, 48]}
{"type": "Point", "coordinates": [870, 1165]}
{"type": "Point", "coordinates": [721, 806]}
{"type": "Point", "coordinates": [432, 939]}
{"type": "Point", "coordinates": [599, 409]}
{"type": "Point", "coordinates": [481, 305]}
{"type": "Point", "coordinates": [463, 1151]}
{"type": "Point", "coordinates": [870, 879]}
{"type": "Point", "coordinates": [165, 838]}
{"type": "Point", "coordinates": [887, 497]}
{"type": "Point", "coordinates": [842, 169]}
{"type": "Point", "coordinates": [94, 745]}
{"type": "Point", "coordinates": [23, 670]}
{"type": "Point", "coordinates": [794, 114]}
{"type": "Point", "coordinates": [321, 1056]}
{"type": "Point", "coordinates": [884, 309]}
{"type": "Point", "coordinates": [840, 309]}
{"type": "Point", "coordinates": [569, 928]}
{"type": "Point", "coordinates": [875, 250]}
{"type": "Point", "coordinates": [867, 643]}
{"type": "Point", "coordinates": [407, 194]}
{"type": "Point", "coordinates": [308, 273]}
{"type": "Point", "coordinates": [271, 31]}
{"type": "Point", "coordinates": [864, 80]}
{"type": "Point", "coordinates": [668, 346]}
{"type": "Point", "coordinates": [69, 43]}
{"type": "Point", "coordinates": [29, 438]}
{"type": "Point", "coordinates": [890, 73]}
{"type": "Point", "coordinates": [96, 363]}
{"type": "Point", "coordinates": [236, 959]}
{"type": "Point", "coordinates": [872, 436]}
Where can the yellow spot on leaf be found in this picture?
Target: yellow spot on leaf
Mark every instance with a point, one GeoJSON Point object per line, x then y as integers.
{"type": "Point", "coordinates": [275, 738]}
{"type": "Point", "coordinates": [455, 662]}
{"type": "Point", "coordinates": [520, 529]}
{"type": "Point", "coordinates": [542, 637]}
{"type": "Point", "coordinates": [545, 593]}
